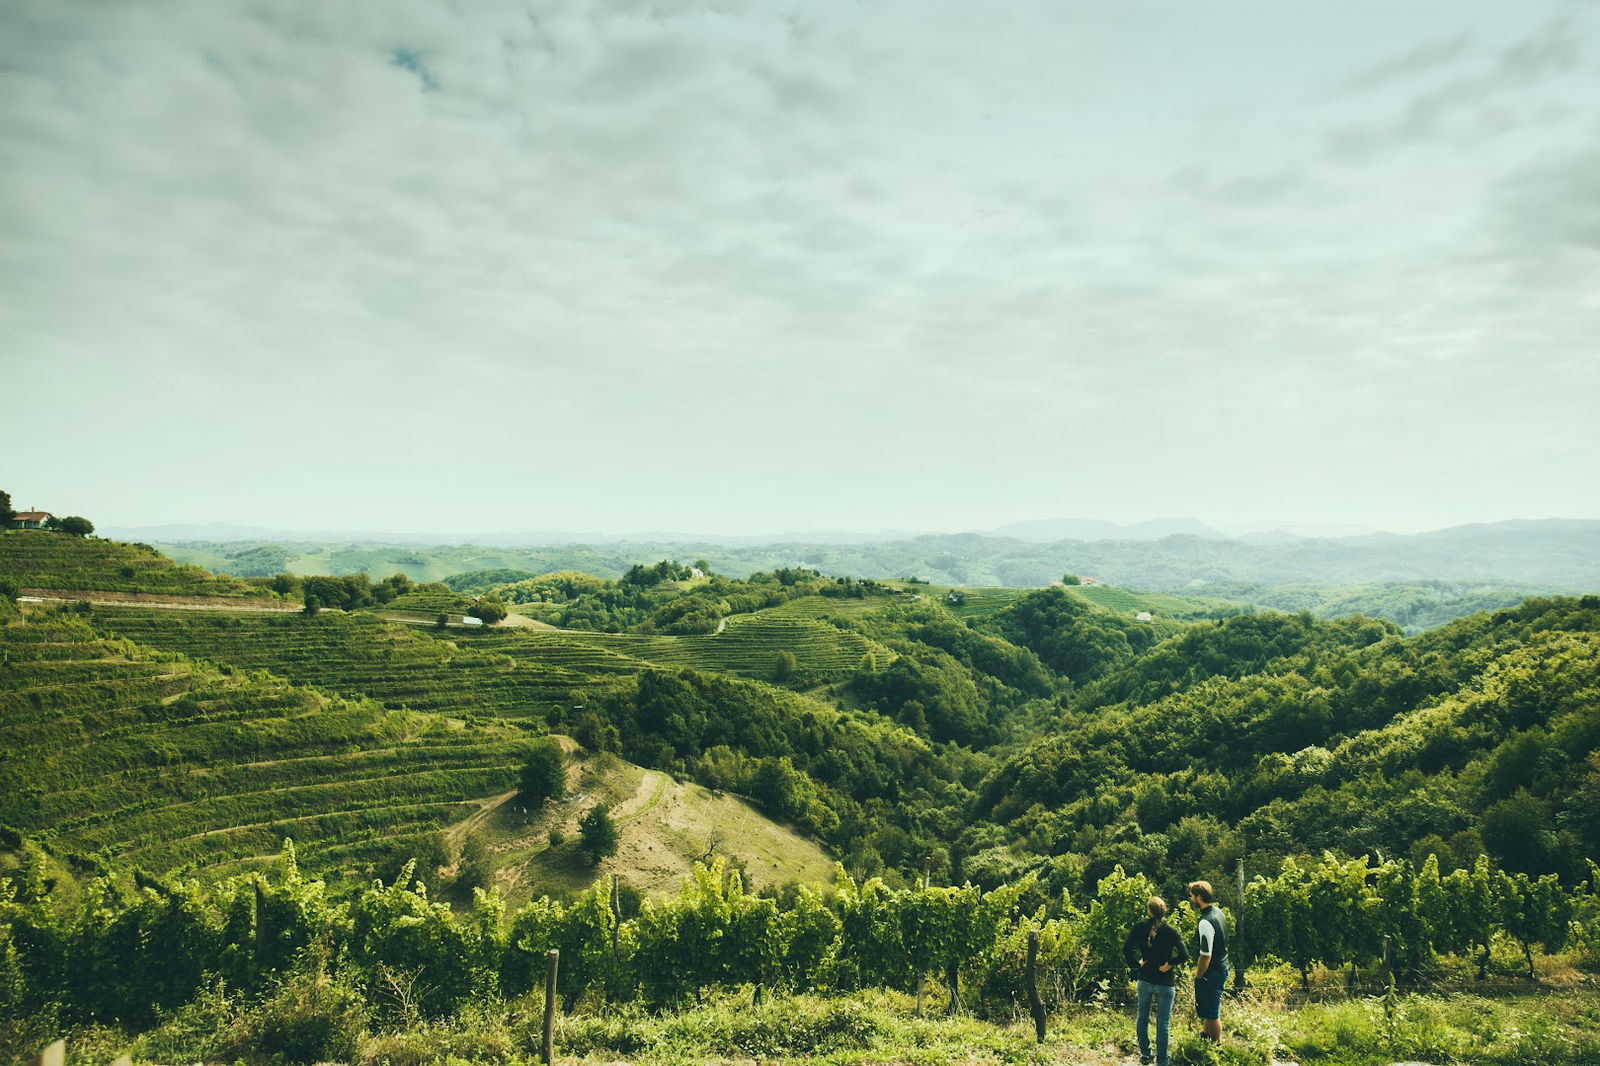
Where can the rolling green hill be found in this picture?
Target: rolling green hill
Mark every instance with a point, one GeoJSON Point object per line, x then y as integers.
{"type": "Point", "coordinates": [53, 561]}
{"type": "Point", "coordinates": [358, 655]}
{"type": "Point", "coordinates": [909, 723]}
{"type": "Point", "coordinates": [1560, 556]}
{"type": "Point", "coordinates": [129, 756]}
{"type": "Point", "coordinates": [749, 647]}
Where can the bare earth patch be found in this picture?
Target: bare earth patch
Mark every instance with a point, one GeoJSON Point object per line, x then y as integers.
{"type": "Point", "coordinates": [664, 827]}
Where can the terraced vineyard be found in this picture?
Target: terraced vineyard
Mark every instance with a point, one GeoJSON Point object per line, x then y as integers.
{"type": "Point", "coordinates": [981, 602]}
{"type": "Point", "coordinates": [40, 560]}
{"type": "Point", "coordinates": [818, 607]}
{"type": "Point", "coordinates": [358, 655]}
{"type": "Point", "coordinates": [1158, 604]}
{"type": "Point", "coordinates": [161, 760]}
{"type": "Point", "coordinates": [749, 647]}
{"type": "Point", "coordinates": [431, 601]}
{"type": "Point", "coordinates": [568, 651]}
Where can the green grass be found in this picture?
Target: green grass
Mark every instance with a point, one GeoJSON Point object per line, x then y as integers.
{"type": "Point", "coordinates": [876, 1027]}
{"type": "Point", "coordinates": [121, 751]}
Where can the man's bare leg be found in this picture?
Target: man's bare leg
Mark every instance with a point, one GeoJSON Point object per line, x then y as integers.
{"type": "Point", "coordinates": [1211, 1029]}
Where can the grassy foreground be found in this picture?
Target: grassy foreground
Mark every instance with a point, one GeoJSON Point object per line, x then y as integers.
{"type": "Point", "coordinates": [313, 1019]}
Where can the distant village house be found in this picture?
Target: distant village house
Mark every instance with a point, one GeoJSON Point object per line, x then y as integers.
{"type": "Point", "coordinates": [29, 520]}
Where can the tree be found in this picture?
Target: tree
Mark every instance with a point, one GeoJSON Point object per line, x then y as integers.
{"type": "Point", "coordinates": [490, 609]}
{"type": "Point", "coordinates": [783, 666]}
{"type": "Point", "coordinates": [544, 773]}
{"type": "Point", "coordinates": [1071, 579]}
{"type": "Point", "coordinates": [347, 593]}
{"type": "Point", "coordinates": [474, 866]}
{"type": "Point", "coordinates": [596, 734]}
{"type": "Point", "coordinates": [1514, 831]}
{"type": "Point", "coordinates": [597, 834]}
{"type": "Point", "coordinates": [72, 525]}
{"type": "Point", "coordinates": [6, 513]}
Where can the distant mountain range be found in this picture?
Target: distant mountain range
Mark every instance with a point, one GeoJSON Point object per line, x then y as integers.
{"type": "Point", "coordinates": [1035, 531]}
{"type": "Point", "coordinates": [1547, 555]}
{"type": "Point", "coordinates": [229, 533]}
{"type": "Point", "coordinates": [1050, 530]}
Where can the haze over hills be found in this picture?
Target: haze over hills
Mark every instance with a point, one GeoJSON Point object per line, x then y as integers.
{"type": "Point", "coordinates": [1054, 529]}
{"type": "Point", "coordinates": [1551, 555]}
{"type": "Point", "coordinates": [1040, 530]}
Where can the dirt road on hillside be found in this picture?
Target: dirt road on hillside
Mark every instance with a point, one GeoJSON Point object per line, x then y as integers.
{"type": "Point", "coordinates": [145, 599]}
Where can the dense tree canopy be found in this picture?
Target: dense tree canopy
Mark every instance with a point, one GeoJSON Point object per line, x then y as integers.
{"type": "Point", "coordinates": [72, 525]}
{"type": "Point", "coordinates": [544, 773]}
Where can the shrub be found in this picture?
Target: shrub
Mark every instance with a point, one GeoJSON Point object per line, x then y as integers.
{"type": "Point", "coordinates": [312, 1018]}
{"type": "Point", "coordinates": [597, 834]}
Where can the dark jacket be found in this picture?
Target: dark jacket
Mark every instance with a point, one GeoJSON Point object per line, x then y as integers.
{"type": "Point", "coordinates": [1168, 947]}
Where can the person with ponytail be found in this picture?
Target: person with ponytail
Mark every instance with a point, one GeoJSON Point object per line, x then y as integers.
{"type": "Point", "coordinates": [1152, 950]}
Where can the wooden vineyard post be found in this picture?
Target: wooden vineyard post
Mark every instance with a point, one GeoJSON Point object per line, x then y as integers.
{"type": "Point", "coordinates": [1388, 980]}
{"type": "Point", "coordinates": [54, 1055]}
{"type": "Point", "coordinates": [1035, 1004]}
{"type": "Point", "coordinates": [547, 1052]}
{"type": "Point", "coordinates": [1238, 920]}
{"type": "Point", "coordinates": [616, 920]}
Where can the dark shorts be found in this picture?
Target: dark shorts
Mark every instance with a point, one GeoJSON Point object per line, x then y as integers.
{"type": "Point", "coordinates": [1208, 993]}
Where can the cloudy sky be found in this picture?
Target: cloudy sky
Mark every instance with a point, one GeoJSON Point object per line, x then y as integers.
{"type": "Point", "coordinates": [757, 266]}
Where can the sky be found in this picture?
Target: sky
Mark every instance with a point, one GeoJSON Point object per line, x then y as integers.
{"type": "Point", "coordinates": [750, 267]}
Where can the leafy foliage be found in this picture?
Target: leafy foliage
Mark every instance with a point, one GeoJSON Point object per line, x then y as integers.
{"type": "Point", "coordinates": [544, 773]}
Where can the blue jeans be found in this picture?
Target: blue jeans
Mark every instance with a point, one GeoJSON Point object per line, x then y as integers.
{"type": "Point", "coordinates": [1161, 996]}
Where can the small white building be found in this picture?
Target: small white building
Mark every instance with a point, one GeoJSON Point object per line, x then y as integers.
{"type": "Point", "coordinates": [468, 620]}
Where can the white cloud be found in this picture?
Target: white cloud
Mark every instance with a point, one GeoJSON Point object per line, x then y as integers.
{"type": "Point", "coordinates": [556, 260]}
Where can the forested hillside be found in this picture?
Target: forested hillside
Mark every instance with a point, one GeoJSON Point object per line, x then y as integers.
{"type": "Point", "coordinates": [917, 729]}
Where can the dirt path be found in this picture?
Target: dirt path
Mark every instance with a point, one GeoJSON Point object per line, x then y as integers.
{"type": "Point", "coordinates": [455, 834]}
{"type": "Point", "coordinates": [652, 786]}
{"type": "Point", "coordinates": [105, 599]}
